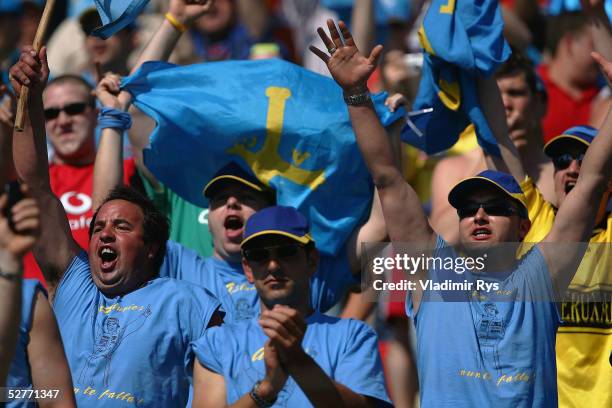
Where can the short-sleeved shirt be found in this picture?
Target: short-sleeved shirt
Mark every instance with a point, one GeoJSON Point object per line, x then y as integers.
{"type": "Point", "coordinates": [74, 187]}
{"type": "Point", "coordinates": [346, 349]}
{"type": "Point", "coordinates": [563, 111]}
{"type": "Point", "coordinates": [496, 348]}
{"type": "Point", "coordinates": [188, 222]}
{"type": "Point", "coordinates": [584, 340]}
{"type": "Point", "coordinates": [229, 284]}
{"type": "Point", "coordinates": [129, 350]}
{"type": "Point", "coordinates": [19, 375]}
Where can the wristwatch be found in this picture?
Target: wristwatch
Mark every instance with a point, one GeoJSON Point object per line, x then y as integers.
{"type": "Point", "coordinates": [357, 99]}
{"type": "Point", "coordinates": [260, 402]}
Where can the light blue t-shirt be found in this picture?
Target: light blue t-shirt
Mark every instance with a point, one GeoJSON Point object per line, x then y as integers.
{"type": "Point", "coordinates": [497, 348]}
{"type": "Point", "coordinates": [19, 375]}
{"type": "Point", "coordinates": [346, 349]}
{"type": "Point", "coordinates": [229, 284]}
{"type": "Point", "coordinates": [130, 350]}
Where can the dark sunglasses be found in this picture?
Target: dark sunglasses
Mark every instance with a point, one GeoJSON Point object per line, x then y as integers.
{"type": "Point", "coordinates": [496, 209]}
{"type": "Point", "coordinates": [70, 109]}
{"type": "Point", "coordinates": [280, 252]}
{"type": "Point", "coordinates": [563, 161]}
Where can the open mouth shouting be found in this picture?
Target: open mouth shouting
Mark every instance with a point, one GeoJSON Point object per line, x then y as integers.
{"type": "Point", "coordinates": [569, 185]}
{"type": "Point", "coordinates": [108, 258]}
{"type": "Point", "coordinates": [234, 227]}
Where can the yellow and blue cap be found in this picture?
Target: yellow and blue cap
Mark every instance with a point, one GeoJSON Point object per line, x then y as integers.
{"type": "Point", "coordinates": [277, 220]}
{"type": "Point", "coordinates": [581, 134]}
{"type": "Point", "coordinates": [233, 172]}
{"type": "Point", "coordinates": [500, 181]}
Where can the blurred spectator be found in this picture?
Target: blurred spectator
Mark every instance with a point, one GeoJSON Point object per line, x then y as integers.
{"type": "Point", "coordinates": [571, 74]}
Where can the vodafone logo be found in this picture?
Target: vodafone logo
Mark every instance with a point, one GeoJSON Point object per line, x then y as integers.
{"type": "Point", "coordinates": [203, 217]}
{"type": "Point", "coordinates": [76, 203]}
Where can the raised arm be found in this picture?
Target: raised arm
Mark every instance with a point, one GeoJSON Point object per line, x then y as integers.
{"type": "Point", "coordinates": [493, 108]}
{"type": "Point", "coordinates": [56, 247]}
{"type": "Point", "coordinates": [108, 168]}
{"type": "Point", "coordinates": [404, 216]}
{"type": "Point", "coordinates": [575, 219]}
{"type": "Point", "coordinates": [161, 45]}
{"type": "Point", "coordinates": [159, 48]}
{"type": "Point", "coordinates": [13, 245]}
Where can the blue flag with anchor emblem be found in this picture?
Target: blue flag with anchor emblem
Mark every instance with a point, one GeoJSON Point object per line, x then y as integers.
{"type": "Point", "coordinates": [289, 126]}
{"type": "Point", "coordinates": [462, 40]}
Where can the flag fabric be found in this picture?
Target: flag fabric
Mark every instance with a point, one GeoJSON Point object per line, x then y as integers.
{"type": "Point", "coordinates": [117, 14]}
{"type": "Point", "coordinates": [287, 125]}
{"type": "Point", "coordinates": [462, 40]}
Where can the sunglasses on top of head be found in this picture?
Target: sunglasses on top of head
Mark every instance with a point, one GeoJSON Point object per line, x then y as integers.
{"type": "Point", "coordinates": [70, 109]}
{"type": "Point", "coordinates": [279, 252]}
{"type": "Point", "coordinates": [493, 208]}
{"type": "Point", "coordinates": [563, 161]}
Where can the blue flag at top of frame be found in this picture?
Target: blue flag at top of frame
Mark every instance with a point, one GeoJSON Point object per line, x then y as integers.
{"type": "Point", "coordinates": [462, 40]}
{"type": "Point", "coordinates": [117, 14]}
{"type": "Point", "coordinates": [288, 126]}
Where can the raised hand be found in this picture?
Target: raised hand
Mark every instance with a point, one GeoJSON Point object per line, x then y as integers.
{"type": "Point", "coordinates": [286, 328]}
{"type": "Point", "coordinates": [276, 375]}
{"type": "Point", "coordinates": [26, 218]}
{"type": "Point", "coordinates": [187, 11]}
{"type": "Point", "coordinates": [110, 95]}
{"type": "Point", "coordinates": [31, 70]}
{"type": "Point", "coordinates": [346, 64]}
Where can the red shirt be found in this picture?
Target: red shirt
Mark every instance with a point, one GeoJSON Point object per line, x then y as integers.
{"type": "Point", "coordinates": [564, 111]}
{"type": "Point", "coordinates": [74, 187]}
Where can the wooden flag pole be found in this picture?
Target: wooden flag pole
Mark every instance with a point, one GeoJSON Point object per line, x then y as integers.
{"type": "Point", "coordinates": [38, 39]}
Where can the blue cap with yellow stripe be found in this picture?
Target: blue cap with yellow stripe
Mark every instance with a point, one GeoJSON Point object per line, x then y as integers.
{"type": "Point", "coordinates": [582, 134]}
{"type": "Point", "coordinates": [233, 172]}
{"type": "Point", "coordinates": [277, 220]}
{"type": "Point", "coordinates": [498, 180]}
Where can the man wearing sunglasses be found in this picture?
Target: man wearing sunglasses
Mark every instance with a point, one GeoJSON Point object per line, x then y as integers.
{"type": "Point", "coordinates": [466, 356]}
{"type": "Point", "coordinates": [291, 355]}
{"type": "Point", "coordinates": [234, 195]}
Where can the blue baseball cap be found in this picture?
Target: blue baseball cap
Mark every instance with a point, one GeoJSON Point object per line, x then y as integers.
{"type": "Point", "coordinates": [277, 220]}
{"type": "Point", "coordinates": [233, 172]}
{"type": "Point", "coordinates": [500, 181]}
{"type": "Point", "coordinates": [582, 134]}
{"type": "Point", "coordinates": [11, 6]}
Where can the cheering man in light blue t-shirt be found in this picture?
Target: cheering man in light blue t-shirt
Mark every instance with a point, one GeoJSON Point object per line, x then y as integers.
{"type": "Point", "coordinates": [126, 331]}
{"type": "Point", "coordinates": [479, 349]}
{"type": "Point", "coordinates": [292, 355]}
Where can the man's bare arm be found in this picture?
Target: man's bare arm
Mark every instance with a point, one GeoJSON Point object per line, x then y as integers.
{"type": "Point", "coordinates": [159, 48]}
{"type": "Point", "coordinates": [14, 243]}
{"type": "Point", "coordinates": [493, 109]}
{"type": "Point", "coordinates": [405, 219]}
{"type": "Point", "coordinates": [56, 247]}
{"type": "Point", "coordinates": [575, 219]}
{"type": "Point", "coordinates": [47, 358]}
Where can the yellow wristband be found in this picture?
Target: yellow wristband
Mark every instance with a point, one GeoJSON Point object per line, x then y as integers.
{"type": "Point", "coordinates": [180, 27]}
